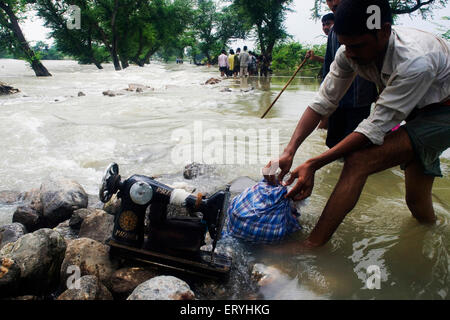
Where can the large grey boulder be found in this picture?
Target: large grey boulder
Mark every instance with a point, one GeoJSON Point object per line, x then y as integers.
{"type": "Point", "coordinates": [60, 198]}
{"type": "Point", "coordinates": [53, 203]}
{"type": "Point", "coordinates": [91, 257]}
{"type": "Point", "coordinates": [11, 233]}
{"type": "Point", "coordinates": [78, 216]}
{"type": "Point", "coordinates": [38, 255]}
{"type": "Point", "coordinates": [88, 288]}
{"type": "Point", "coordinates": [194, 170]}
{"type": "Point", "coordinates": [98, 226]}
{"type": "Point", "coordinates": [29, 217]}
{"type": "Point", "coordinates": [66, 231]}
{"type": "Point", "coordinates": [163, 288]}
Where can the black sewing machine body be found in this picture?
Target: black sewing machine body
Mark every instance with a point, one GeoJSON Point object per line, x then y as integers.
{"type": "Point", "coordinates": [173, 242]}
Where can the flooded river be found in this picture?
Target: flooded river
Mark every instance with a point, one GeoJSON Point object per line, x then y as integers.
{"type": "Point", "coordinates": [49, 131]}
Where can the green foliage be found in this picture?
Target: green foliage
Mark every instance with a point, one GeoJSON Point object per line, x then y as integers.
{"type": "Point", "coordinates": [214, 27]}
{"type": "Point", "coordinates": [44, 52]}
{"type": "Point", "coordinates": [267, 18]}
{"type": "Point", "coordinates": [288, 56]}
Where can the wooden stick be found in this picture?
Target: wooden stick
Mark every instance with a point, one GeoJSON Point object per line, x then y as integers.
{"type": "Point", "coordinates": [287, 84]}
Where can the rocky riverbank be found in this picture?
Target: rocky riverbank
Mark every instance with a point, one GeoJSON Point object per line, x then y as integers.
{"type": "Point", "coordinates": [54, 248]}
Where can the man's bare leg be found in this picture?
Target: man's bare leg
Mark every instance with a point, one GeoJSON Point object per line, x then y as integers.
{"type": "Point", "coordinates": [358, 166]}
{"type": "Point", "coordinates": [418, 193]}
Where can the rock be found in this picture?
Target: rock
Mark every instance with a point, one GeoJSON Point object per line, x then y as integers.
{"type": "Point", "coordinates": [125, 280]}
{"type": "Point", "coordinates": [248, 89]}
{"type": "Point", "coordinates": [60, 198]}
{"type": "Point", "coordinates": [109, 93]}
{"type": "Point", "coordinates": [193, 170]}
{"type": "Point", "coordinates": [29, 217]}
{"type": "Point", "coordinates": [226, 90]}
{"type": "Point", "coordinates": [94, 202]}
{"type": "Point", "coordinates": [5, 89]}
{"type": "Point", "coordinates": [79, 215]}
{"type": "Point", "coordinates": [11, 233]}
{"type": "Point", "coordinates": [113, 205]}
{"type": "Point", "coordinates": [9, 197]}
{"type": "Point", "coordinates": [92, 257]}
{"type": "Point", "coordinates": [33, 199]}
{"type": "Point", "coordinates": [97, 226]}
{"type": "Point", "coordinates": [212, 81]}
{"type": "Point", "coordinates": [139, 90]}
{"type": "Point", "coordinates": [81, 94]}
{"type": "Point", "coordinates": [136, 86]}
{"type": "Point", "coordinates": [163, 288]}
{"type": "Point", "coordinates": [9, 277]}
{"type": "Point", "coordinates": [39, 256]}
{"type": "Point", "coordinates": [66, 231]}
{"type": "Point", "coordinates": [90, 288]}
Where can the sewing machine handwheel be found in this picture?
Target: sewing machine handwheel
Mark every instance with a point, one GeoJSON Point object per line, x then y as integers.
{"type": "Point", "coordinates": [110, 183]}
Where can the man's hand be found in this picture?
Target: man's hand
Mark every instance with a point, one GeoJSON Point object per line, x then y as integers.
{"type": "Point", "coordinates": [305, 183]}
{"type": "Point", "coordinates": [284, 163]}
{"type": "Point", "coordinates": [310, 55]}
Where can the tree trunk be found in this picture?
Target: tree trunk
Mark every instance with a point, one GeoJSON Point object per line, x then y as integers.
{"type": "Point", "coordinates": [124, 62]}
{"type": "Point", "coordinates": [146, 59]}
{"type": "Point", "coordinates": [37, 66]}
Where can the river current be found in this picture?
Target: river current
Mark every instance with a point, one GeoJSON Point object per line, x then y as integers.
{"type": "Point", "coordinates": [48, 131]}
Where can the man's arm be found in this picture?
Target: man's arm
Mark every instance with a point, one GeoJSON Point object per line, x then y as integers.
{"type": "Point", "coordinates": [305, 172]}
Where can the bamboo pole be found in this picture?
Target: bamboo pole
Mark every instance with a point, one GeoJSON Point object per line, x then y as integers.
{"type": "Point", "coordinates": [287, 84]}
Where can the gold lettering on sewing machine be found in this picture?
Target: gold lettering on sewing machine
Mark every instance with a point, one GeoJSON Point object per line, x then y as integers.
{"type": "Point", "coordinates": [125, 235]}
{"type": "Point", "coordinates": [163, 191]}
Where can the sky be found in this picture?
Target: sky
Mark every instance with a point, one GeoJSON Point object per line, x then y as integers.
{"type": "Point", "coordinates": [298, 24]}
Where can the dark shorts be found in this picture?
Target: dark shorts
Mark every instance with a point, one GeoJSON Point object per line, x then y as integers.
{"type": "Point", "coordinates": [344, 121]}
{"type": "Point", "coordinates": [429, 131]}
{"type": "Point", "coordinates": [223, 69]}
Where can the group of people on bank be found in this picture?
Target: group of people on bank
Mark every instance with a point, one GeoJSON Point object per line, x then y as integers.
{"type": "Point", "coordinates": [243, 63]}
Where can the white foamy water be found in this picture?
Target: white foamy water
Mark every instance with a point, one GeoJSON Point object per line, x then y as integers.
{"type": "Point", "coordinates": [48, 131]}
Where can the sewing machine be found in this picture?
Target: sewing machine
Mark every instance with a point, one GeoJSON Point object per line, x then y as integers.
{"type": "Point", "coordinates": [171, 242]}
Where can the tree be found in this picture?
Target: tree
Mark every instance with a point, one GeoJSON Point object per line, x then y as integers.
{"type": "Point", "coordinates": [80, 44]}
{"type": "Point", "coordinates": [267, 17]}
{"type": "Point", "coordinates": [423, 7]}
{"type": "Point", "coordinates": [215, 27]}
{"type": "Point", "coordinates": [12, 33]}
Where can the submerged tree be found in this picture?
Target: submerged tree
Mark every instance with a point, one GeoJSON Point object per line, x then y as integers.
{"type": "Point", "coordinates": [215, 26]}
{"type": "Point", "coordinates": [13, 37]}
{"type": "Point", "coordinates": [78, 43]}
{"type": "Point", "coordinates": [267, 17]}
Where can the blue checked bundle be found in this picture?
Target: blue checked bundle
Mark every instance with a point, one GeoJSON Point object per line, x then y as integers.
{"type": "Point", "coordinates": [261, 214]}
